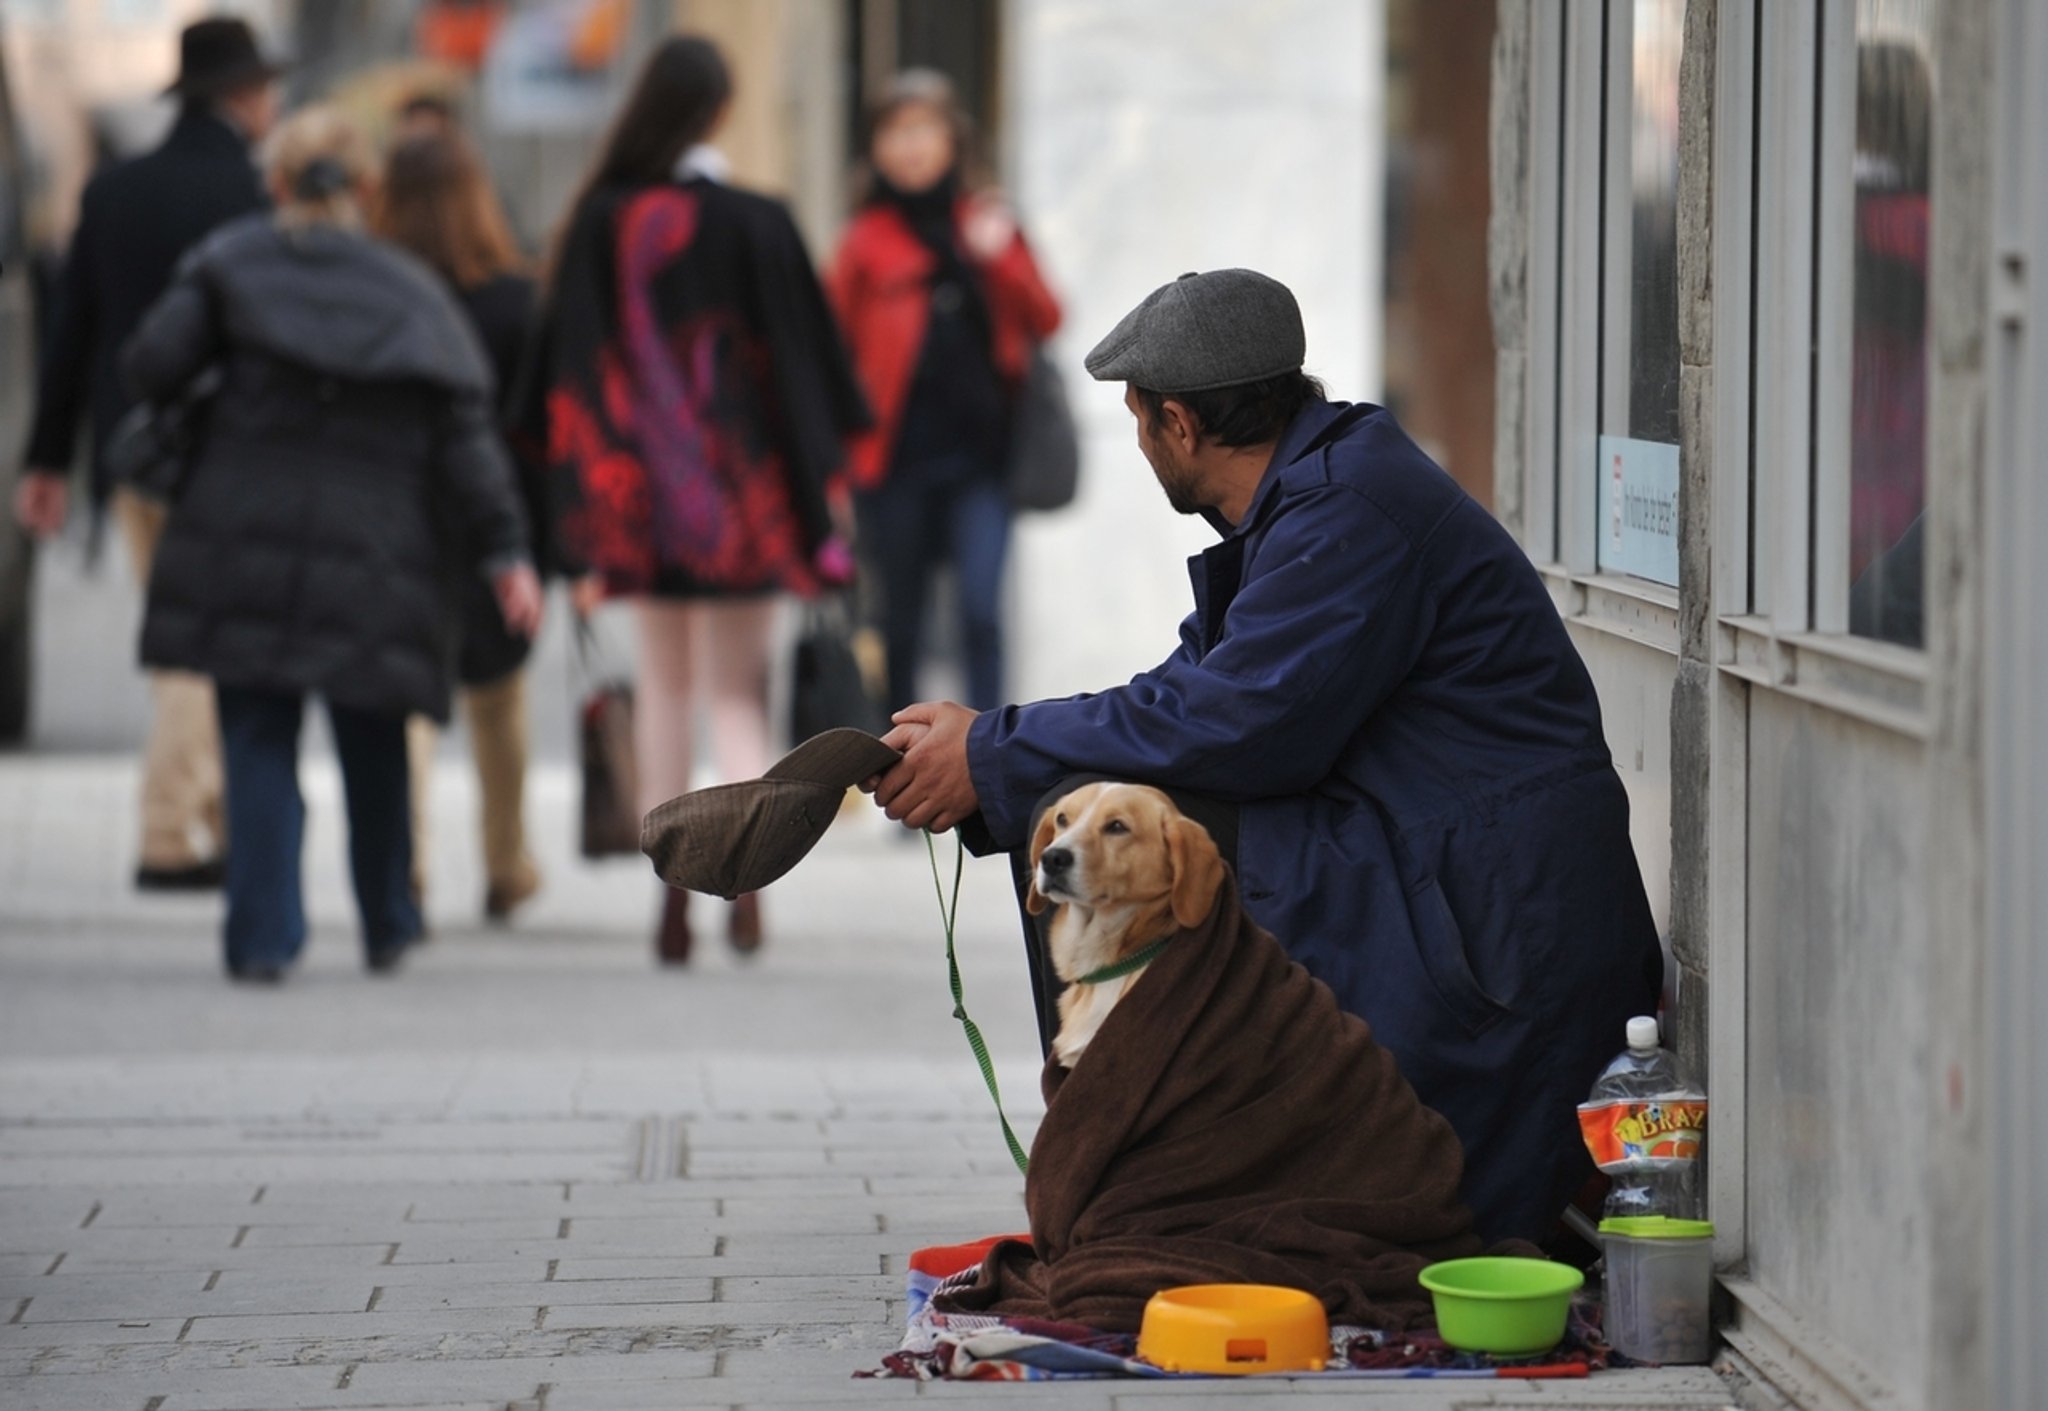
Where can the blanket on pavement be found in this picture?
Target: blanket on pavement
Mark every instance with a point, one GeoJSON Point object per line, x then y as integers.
{"type": "Point", "coordinates": [1229, 1124]}
{"type": "Point", "coordinates": [977, 1347]}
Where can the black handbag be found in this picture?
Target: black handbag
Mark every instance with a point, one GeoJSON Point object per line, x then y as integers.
{"type": "Point", "coordinates": [152, 448]}
{"type": "Point", "coordinates": [1044, 472]}
{"type": "Point", "coordinates": [827, 689]}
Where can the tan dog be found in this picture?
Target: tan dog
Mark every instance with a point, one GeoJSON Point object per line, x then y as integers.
{"type": "Point", "coordinates": [1125, 868]}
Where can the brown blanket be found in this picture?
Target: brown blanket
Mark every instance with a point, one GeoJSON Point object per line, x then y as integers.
{"type": "Point", "coordinates": [1230, 1124]}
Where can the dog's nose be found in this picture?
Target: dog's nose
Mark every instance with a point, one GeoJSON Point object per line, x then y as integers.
{"type": "Point", "coordinates": [1056, 861]}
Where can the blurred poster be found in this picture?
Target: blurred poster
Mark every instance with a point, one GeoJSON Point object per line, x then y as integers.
{"type": "Point", "coordinates": [458, 32]}
{"type": "Point", "coordinates": [550, 65]}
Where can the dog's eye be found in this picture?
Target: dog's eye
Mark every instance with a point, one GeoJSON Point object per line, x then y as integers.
{"type": "Point", "coordinates": [1059, 820]}
{"type": "Point", "coordinates": [1116, 825]}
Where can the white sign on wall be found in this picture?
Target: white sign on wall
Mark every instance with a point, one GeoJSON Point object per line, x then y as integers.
{"type": "Point", "coordinates": [1639, 509]}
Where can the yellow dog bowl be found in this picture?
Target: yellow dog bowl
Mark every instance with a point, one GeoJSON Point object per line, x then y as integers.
{"type": "Point", "coordinates": [1234, 1330]}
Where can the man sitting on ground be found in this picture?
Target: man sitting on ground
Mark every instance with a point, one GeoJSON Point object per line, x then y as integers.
{"type": "Point", "coordinates": [1377, 711]}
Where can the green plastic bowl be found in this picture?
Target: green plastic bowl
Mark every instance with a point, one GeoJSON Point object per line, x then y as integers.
{"type": "Point", "coordinates": [1508, 1307]}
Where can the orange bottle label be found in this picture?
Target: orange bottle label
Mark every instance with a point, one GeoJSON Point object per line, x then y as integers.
{"type": "Point", "coordinates": [1644, 1132]}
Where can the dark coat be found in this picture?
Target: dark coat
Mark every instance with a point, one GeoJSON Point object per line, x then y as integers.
{"type": "Point", "coordinates": [503, 311]}
{"type": "Point", "coordinates": [134, 223]}
{"type": "Point", "coordinates": [1429, 818]}
{"type": "Point", "coordinates": [349, 465]}
{"type": "Point", "coordinates": [696, 393]}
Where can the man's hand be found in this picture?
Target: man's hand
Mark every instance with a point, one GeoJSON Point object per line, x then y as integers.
{"type": "Point", "coordinates": [931, 788]}
{"type": "Point", "coordinates": [41, 501]}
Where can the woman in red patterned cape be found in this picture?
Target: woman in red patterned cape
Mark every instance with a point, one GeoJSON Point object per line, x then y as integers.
{"type": "Point", "coordinates": [695, 397]}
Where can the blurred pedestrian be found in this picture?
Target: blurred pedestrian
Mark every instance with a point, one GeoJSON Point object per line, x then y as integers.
{"type": "Point", "coordinates": [696, 396]}
{"type": "Point", "coordinates": [135, 221]}
{"type": "Point", "coordinates": [437, 202]}
{"type": "Point", "coordinates": [942, 305]}
{"type": "Point", "coordinates": [424, 115]}
{"type": "Point", "coordinates": [348, 474]}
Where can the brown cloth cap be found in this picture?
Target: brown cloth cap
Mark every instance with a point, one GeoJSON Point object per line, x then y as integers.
{"type": "Point", "coordinates": [737, 838]}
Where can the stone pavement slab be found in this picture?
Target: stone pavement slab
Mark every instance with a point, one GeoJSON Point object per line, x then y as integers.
{"type": "Point", "coordinates": [532, 1171]}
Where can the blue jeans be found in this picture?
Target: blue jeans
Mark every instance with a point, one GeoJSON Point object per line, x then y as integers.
{"type": "Point", "coordinates": [921, 516]}
{"type": "Point", "coordinates": [266, 922]}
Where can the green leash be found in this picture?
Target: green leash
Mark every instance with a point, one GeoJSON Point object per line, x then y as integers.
{"type": "Point", "coordinates": [1137, 960]}
{"type": "Point", "coordinates": [948, 912]}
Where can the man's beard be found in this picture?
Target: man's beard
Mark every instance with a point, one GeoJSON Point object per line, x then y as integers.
{"type": "Point", "coordinates": [1182, 493]}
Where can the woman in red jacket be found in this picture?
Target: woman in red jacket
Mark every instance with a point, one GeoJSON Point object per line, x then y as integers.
{"type": "Point", "coordinates": [942, 305]}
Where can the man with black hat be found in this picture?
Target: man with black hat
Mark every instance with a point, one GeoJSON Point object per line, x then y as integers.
{"type": "Point", "coordinates": [1376, 709]}
{"type": "Point", "coordinates": [135, 222]}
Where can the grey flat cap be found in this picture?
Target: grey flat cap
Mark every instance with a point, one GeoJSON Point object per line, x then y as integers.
{"type": "Point", "coordinates": [1219, 329]}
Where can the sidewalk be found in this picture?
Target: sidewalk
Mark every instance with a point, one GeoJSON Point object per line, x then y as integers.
{"type": "Point", "coordinates": [531, 1171]}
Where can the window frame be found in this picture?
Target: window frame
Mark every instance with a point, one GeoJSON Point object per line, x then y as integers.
{"type": "Point", "coordinates": [1784, 197]}
{"type": "Point", "coordinates": [1592, 224]}
{"type": "Point", "coordinates": [1577, 56]}
{"type": "Point", "coordinates": [1794, 636]}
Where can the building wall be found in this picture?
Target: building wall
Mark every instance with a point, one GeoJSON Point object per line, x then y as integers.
{"type": "Point", "coordinates": [1827, 849]}
{"type": "Point", "coordinates": [1634, 681]}
{"type": "Point", "coordinates": [70, 64]}
{"type": "Point", "coordinates": [1440, 363]}
{"type": "Point", "coordinates": [1145, 139]}
{"type": "Point", "coordinates": [1839, 1228]}
{"type": "Point", "coordinates": [2008, 1239]}
{"type": "Point", "coordinates": [787, 130]}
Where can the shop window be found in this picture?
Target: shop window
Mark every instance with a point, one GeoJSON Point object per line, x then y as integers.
{"type": "Point", "coordinates": [1638, 445]}
{"type": "Point", "coordinates": [1888, 319]}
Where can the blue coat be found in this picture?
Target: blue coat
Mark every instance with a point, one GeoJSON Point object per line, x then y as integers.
{"type": "Point", "coordinates": [1429, 818]}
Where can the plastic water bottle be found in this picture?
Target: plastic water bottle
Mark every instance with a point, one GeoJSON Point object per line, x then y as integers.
{"type": "Point", "coordinates": [1645, 1123]}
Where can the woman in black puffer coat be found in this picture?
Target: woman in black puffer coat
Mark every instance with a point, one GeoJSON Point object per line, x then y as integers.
{"type": "Point", "coordinates": [348, 476]}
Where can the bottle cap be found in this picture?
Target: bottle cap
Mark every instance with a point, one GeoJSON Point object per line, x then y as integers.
{"type": "Point", "coordinates": [1656, 1227]}
{"type": "Point", "coordinates": [1642, 1031]}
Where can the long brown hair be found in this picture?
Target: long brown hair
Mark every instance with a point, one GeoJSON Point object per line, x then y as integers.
{"type": "Point", "coordinates": [438, 203]}
{"type": "Point", "coordinates": [676, 101]}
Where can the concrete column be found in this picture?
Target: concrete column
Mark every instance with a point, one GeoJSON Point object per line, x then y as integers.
{"type": "Point", "coordinates": [1146, 139]}
{"type": "Point", "coordinates": [2015, 510]}
{"type": "Point", "coordinates": [1507, 259]}
{"type": "Point", "coordinates": [1960, 677]}
{"type": "Point", "coordinates": [1692, 696]}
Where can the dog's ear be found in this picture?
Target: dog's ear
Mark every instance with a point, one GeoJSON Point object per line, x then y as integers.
{"type": "Point", "coordinates": [1195, 870]}
{"type": "Point", "coordinates": [1048, 829]}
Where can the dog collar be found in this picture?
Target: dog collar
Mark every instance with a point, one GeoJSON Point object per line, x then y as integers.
{"type": "Point", "coordinates": [1137, 960]}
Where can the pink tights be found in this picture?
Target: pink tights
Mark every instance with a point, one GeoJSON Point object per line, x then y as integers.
{"type": "Point", "coordinates": [713, 651]}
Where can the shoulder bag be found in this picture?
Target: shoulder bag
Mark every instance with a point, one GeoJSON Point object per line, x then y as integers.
{"type": "Point", "coordinates": [1044, 472]}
